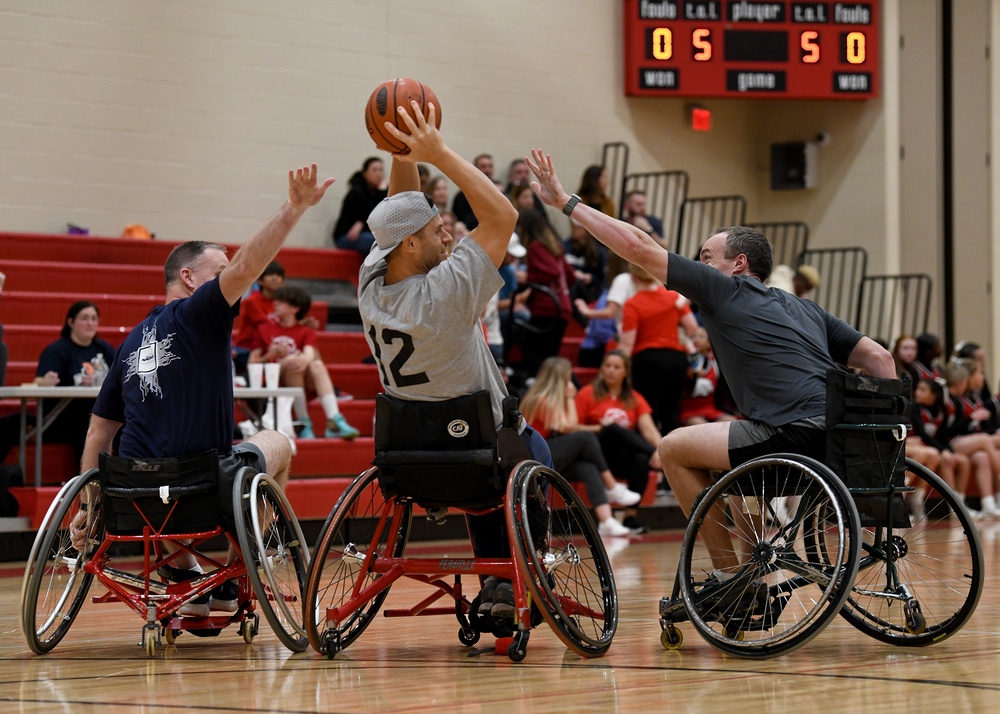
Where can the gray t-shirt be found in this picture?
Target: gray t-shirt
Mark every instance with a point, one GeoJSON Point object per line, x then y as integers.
{"type": "Point", "coordinates": [425, 331]}
{"type": "Point", "coordinates": [773, 348]}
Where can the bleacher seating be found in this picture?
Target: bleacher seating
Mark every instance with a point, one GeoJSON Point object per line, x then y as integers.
{"type": "Point", "coordinates": [124, 278]}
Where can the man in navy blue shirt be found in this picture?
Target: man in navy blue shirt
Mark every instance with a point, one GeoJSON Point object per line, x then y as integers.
{"type": "Point", "coordinates": [170, 386]}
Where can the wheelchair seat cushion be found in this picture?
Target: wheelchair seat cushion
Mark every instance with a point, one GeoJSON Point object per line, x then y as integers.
{"type": "Point", "coordinates": [439, 453]}
{"type": "Point", "coordinates": [175, 495]}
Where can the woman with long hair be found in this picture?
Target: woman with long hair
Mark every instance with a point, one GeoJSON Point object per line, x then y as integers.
{"type": "Point", "coordinates": [367, 189]}
{"type": "Point", "coordinates": [623, 422]}
{"type": "Point", "coordinates": [549, 406]}
{"type": "Point", "coordinates": [593, 189]}
{"type": "Point", "coordinates": [546, 266]}
{"type": "Point", "coordinates": [67, 362]}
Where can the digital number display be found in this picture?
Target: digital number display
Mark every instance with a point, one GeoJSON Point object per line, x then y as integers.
{"type": "Point", "coordinates": [743, 48]}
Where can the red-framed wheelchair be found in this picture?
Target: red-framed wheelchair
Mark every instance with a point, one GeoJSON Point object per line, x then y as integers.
{"type": "Point", "coordinates": [441, 455]}
{"type": "Point", "coordinates": [871, 536]}
{"type": "Point", "coordinates": [166, 519]}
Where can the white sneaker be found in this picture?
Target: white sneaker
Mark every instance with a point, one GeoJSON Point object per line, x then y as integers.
{"type": "Point", "coordinates": [974, 514]}
{"type": "Point", "coordinates": [613, 528]}
{"type": "Point", "coordinates": [622, 496]}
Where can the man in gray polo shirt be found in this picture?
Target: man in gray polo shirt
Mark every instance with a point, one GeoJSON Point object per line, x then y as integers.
{"type": "Point", "coordinates": [420, 308]}
{"type": "Point", "coordinates": [773, 348]}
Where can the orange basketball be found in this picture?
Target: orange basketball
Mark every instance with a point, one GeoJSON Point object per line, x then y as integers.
{"type": "Point", "coordinates": [382, 106]}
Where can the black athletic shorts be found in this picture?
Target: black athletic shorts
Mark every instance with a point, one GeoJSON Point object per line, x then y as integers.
{"type": "Point", "coordinates": [750, 440]}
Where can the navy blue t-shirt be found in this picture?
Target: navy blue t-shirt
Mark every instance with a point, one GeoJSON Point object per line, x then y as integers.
{"type": "Point", "coordinates": [171, 381]}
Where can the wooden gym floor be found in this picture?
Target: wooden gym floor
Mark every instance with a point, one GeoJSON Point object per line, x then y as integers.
{"type": "Point", "coordinates": [418, 665]}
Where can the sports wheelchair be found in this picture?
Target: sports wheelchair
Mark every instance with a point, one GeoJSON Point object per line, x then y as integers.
{"type": "Point", "coordinates": [129, 504]}
{"type": "Point", "coordinates": [894, 551]}
{"type": "Point", "coordinates": [441, 455]}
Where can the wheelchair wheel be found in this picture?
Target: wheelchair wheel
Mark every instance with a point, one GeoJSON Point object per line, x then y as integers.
{"type": "Point", "coordinates": [781, 595]}
{"type": "Point", "coordinates": [55, 583]}
{"type": "Point", "coordinates": [275, 553]}
{"type": "Point", "coordinates": [562, 559]}
{"type": "Point", "coordinates": [362, 527]}
{"type": "Point", "coordinates": [919, 585]}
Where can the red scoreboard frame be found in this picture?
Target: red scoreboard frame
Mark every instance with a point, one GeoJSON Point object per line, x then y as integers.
{"type": "Point", "coordinates": [741, 48]}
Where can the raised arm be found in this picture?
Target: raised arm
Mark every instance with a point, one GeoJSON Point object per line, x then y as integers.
{"type": "Point", "coordinates": [497, 217]}
{"type": "Point", "coordinates": [254, 255]}
{"type": "Point", "coordinates": [628, 241]}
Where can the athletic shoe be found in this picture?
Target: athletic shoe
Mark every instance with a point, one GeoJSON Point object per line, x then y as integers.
{"type": "Point", "coordinates": [338, 428]}
{"type": "Point", "coordinates": [636, 526]}
{"type": "Point", "coordinates": [503, 601]}
{"type": "Point", "coordinates": [613, 528]}
{"type": "Point", "coordinates": [621, 495]}
{"type": "Point", "coordinates": [225, 597]}
{"type": "Point", "coordinates": [199, 607]}
{"type": "Point", "coordinates": [486, 595]}
{"type": "Point", "coordinates": [306, 433]}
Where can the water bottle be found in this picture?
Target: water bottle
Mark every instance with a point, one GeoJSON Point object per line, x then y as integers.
{"type": "Point", "coordinates": [100, 369]}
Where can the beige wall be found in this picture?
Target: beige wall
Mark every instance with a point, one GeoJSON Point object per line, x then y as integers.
{"type": "Point", "coordinates": [185, 115]}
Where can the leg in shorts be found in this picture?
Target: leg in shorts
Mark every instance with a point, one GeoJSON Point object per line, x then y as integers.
{"type": "Point", "coordinates": [750, 440]}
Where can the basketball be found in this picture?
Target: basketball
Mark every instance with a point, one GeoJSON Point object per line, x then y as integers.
{"type": "Point", "coordinates": [382, 105]}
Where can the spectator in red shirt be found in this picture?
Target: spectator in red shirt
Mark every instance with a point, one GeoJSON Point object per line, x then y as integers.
{"type": "Point", "coordinates": [651, 322]}
{"type": "Point", "coordinates": [623, 421]}
{"type": "Point", "coordinates": [293, 345]}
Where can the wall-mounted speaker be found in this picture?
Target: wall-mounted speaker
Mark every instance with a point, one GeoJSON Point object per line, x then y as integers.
{"type": "Point", "coordinates": [794, 165]}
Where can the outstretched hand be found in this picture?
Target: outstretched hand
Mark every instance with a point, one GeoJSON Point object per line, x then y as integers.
{"type": "Point", "coordinates": [302, 189]}
{"type": "Point", "coordinates": [547, 186]}
{"type": "Point", "coordinates": [424, 140]}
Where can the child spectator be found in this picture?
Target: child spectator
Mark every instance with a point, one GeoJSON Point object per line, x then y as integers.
{"type": "Point", "coordinates": [965, 428]}
{"type": "Point", "coordinates": [698, 403]}
{"type": "Point", "coordinates": [294, 346]}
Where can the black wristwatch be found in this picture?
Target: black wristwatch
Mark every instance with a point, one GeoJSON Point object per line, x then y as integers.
{"type": "Point", "coordinates": [571, 204]}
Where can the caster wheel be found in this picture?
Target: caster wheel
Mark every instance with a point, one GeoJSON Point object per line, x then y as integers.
{"type": "Point", "coordinates": [170, 636]}
{"type": "Point", "coordinates": [248, 631]}
{"type": "Point", "coordinates": [671, 638]}
{"type": "Point", "coordinates": [150, 644]}
{"type": "Point", "coordinates": [468, 637]}
{"type": "Point", "coordinates": [916, 623]}
{"type": "Point", "coordinates": [331, 645]}
{"type": "Point", "coordinates": [516, 652]}
{"type": "Point", "coordinates": [518, 649]}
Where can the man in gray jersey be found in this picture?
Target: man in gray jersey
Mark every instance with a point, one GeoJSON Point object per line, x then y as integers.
{"type": "Point", "coordinates": [420, 308]}
{"type": "Point", "coordinates": [773, 348]}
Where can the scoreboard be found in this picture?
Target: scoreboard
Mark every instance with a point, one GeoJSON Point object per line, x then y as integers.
{"type": "Point", "coordinates": [746, 48]}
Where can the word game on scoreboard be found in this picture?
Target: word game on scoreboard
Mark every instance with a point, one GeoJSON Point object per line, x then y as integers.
{"type": "Point", "coordinates": [743, 48]}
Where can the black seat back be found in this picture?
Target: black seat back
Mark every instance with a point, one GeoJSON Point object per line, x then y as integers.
{"type": "Point", "coordinates": [866, 442]}
{"type": "Point", "coordinates": [176, 495]}
{"type": "Point", "coordinates": [441, 453]}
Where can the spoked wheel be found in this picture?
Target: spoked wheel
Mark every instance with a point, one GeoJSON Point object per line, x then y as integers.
{"type": "Point", "coordinates": [362, 527]}
{"type": "Point", "coordinates": [275, 553]}
{"type": "Point", "coordinates": [562, 559]}
{"type": "Point", "coordinates": [919, 585]}
{"type": "Point", "coordinates": [55, 584]}
{"type": "Point", "coordinates": [778, 597]}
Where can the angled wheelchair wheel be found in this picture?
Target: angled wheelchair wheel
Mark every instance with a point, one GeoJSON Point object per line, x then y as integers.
{"type": "Point", "coordinates": [562, 559]}
{"type": "Point", "coordinates": [362, 527]}
{"type": "Point", "coordinates": [275, 553]}
{"type": "Point", "coordinates": [919, 585]}
{"type": "Point", "coordinates": [55, 584]}
{"type": "Point", "coordinates": [781, 595]}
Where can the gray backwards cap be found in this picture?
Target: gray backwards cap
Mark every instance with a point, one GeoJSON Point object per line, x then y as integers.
{"type": "Point", "coordinates": [396, 217]}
